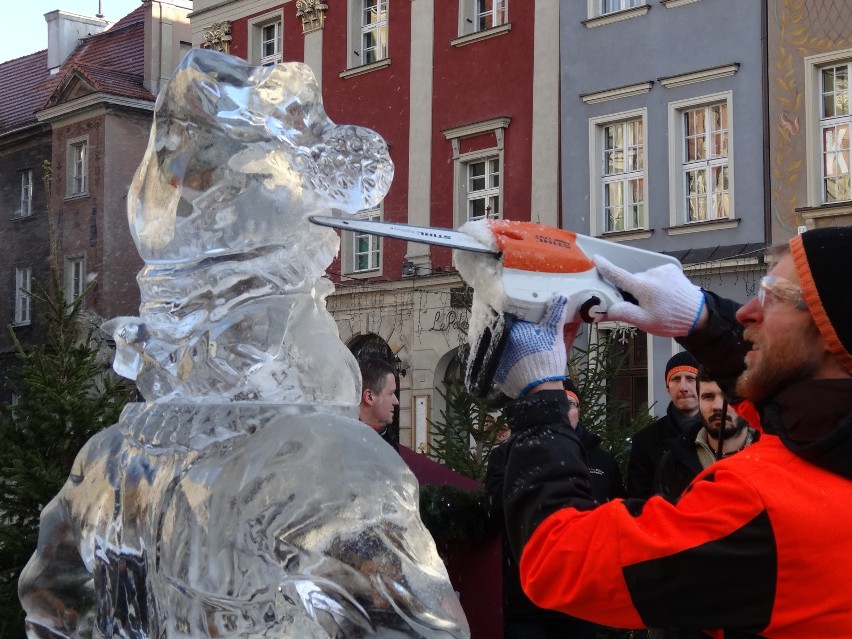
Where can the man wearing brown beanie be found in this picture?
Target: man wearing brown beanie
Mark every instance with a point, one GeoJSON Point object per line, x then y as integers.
{"type": "Point", "coordinates": [759, 545]}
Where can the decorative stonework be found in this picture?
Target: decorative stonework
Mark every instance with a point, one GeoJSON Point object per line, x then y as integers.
{"type": "Point", "coordinates": [617, 93]}
{"type": "Point", "coordinates": [217, 36]}
{"type": "Point", "coordinates": [311, 13]}
{"type": "Point", "coordinates": [802, 29]}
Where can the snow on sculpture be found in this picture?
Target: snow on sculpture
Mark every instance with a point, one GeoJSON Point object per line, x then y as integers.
{"type": "Point", "coordinates": [243, 498]}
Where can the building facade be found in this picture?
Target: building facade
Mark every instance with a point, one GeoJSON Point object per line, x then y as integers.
{"type": "Point", "coordinates": [810, 53]}
{"type": "Point", "coordinates": [663, 143]}
{"type": "Point", "coordinates": [76, 121]}
{"type": "Point", "coordinates": [466, 95]}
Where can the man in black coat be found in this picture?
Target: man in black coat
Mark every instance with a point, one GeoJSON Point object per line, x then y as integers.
{"type": "Point", "coordinates": [522, 619]}
{"type": "Point", "coordinates": [681, 415]}
{"type": "Point", "coordinates": [698, 447]}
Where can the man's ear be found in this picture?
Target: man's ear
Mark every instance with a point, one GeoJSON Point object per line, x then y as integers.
{"type": "Point", "coordinates": [367, 397]}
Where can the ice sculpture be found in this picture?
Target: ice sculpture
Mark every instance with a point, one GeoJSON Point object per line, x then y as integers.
{"type": "Point", "coordinates": [243, 498]}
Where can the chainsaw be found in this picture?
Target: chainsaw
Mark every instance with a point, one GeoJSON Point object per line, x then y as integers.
{"type": "Point", "coordinates": [514, 269]}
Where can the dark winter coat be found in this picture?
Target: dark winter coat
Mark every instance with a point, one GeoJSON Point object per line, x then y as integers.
{"type": "Point", "coordinates": [680, 463]}
{"type": "Point", "coordinates": [647, 448]}
{"type": "Point", "coordinates": [758, 545]}
{"type": "Point", "coordinates": [607, 484]}
{"type": "Point", "coordinates": [603, 469]}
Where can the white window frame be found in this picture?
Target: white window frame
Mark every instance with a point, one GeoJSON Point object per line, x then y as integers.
{"type": "Point", "coordinates": [476, 16]}
{"type": "Point", "coordinates": [679, 164]}
{"type": "Point", "coordinates": [77, 175]}
{"type": "Point", "coordinates": [256, 27]}
{"type": "Point", "coordinates": [598, 8]}
{"type": "Point", "coordinates": [352, 248]}
{"type": "Point", "coordinates": [491, 190]}
{"type": "Point", "coordinates": [842, 123]}
{"type": "Point", "coordinates": [814, 122]}
{"type": "Point", "coordinates": [599, 179]}
{"type": "Point", "coordinates": [23, 302]}
{"type": "Point", "coordinates": [75, 276]}
{"type": "Point", "coordinates": [26, 204]}
{"type": "Point", "coordinates": [462, 161]}
{"type": "Point", "coordinates": [359, 29]}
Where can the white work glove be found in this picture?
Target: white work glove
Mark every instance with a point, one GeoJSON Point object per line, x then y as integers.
{"type": "Point", "coordinates": [536, 353]}
{"type": "Point", "coordinates": [669, 305]}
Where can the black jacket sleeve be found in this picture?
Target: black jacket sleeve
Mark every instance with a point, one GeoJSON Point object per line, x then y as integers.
{"type": "Point", "coordinates": [640, 468]}
{"type": "Point", "coordinates": [546, 466]}
{"type": "Point", "coordinates": [719, 346]}
{"type": "Point", "coordinates": [494, 483]}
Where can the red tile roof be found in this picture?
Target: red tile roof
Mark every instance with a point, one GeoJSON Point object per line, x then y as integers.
{"type": "Point", "coordinates": [111, 61]}
{"type": "Point", "coordinates": [26, 85]}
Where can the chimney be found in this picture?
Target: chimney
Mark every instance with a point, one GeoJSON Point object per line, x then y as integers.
{"type": "Point", "coordinates": [64, 31]}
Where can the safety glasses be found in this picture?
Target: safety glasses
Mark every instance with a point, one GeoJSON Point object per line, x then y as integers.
{"type": "Point", "coordinates": [779, 288]}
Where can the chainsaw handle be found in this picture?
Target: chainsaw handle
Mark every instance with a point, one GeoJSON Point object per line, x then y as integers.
{"type": "Point", "coordinates": [527, 294]}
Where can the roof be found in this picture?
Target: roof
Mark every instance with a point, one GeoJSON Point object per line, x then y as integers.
{"type": "Point", "coordinates": [26, 84]}
{"type": "Point", "coordinates": [717, 253]}
{"type": "Point", "coordinates": [110, 62]}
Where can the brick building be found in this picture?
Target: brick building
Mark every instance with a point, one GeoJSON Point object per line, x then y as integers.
{"type": "Point", "coordinates": [83, 106]}
{"type": "Point", "coordinates": [466, 95]}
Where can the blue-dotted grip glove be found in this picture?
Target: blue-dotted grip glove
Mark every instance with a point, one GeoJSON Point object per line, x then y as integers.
{"type": "Point", "coordinates": [534, 353]}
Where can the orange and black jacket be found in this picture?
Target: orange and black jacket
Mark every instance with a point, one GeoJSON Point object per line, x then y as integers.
{"type": "Point", "coordinates": [759, 545]}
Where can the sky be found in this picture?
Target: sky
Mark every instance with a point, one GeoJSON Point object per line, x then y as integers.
{"type": "Point", "coordinates": [26, 29]}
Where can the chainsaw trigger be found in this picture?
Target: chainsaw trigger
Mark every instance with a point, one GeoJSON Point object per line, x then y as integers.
{"type": "Point", "coordinates": [585, 309]}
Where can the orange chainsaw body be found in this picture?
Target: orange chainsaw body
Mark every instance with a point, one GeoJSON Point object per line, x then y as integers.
{"type": "Point", "coordinates": [528, 246]}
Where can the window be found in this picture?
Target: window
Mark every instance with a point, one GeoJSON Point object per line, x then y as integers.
{"type": "Point", "coordinates": [604, 7]}
{"type": "Point", "coordinates": [23, 282]}
{"type": "Point", "coordinates": [479, 15]}
{"type": "Point", "coordinates": [362, 252]}
{"type": "Point", "coordinates": [705, 163]}
{"type": "Point", "coordinates": [617, 177]}
{"type": "Point", "coordinates": [478, 158]}
{"type": "Point", "coordinates": [629, 384]}
{"type": "Point", "coordinates": [827, 126]}
{"type": "Point", "coordinates": [368, 35]}
{"type": "Point", "coordinates": [482, 190]}
{"type": "Point", "coordinates": [265, 39]}
{"type": "Point", "coordinates": [623, 175]}
{"type": "Point", "coordinates": [834, 124]}
{"type": "Point", "coordinates": [26, 207]}
{"type": "Point", "coordinates": [270, 44]}
{"type": "Point", "coordinates": [366, 248]}
{"type": "Point", "coordinates": [701, 163]}
{"type": "Point", "coordinates": [374, 31]}
{"type": "Point", "coordinates": [78, 167]}
{"type": "Point", "coordinates": [75, 277]}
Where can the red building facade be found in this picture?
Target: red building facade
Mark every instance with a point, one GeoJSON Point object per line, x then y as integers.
{"type": "Point", "coordinates": [466, 95]}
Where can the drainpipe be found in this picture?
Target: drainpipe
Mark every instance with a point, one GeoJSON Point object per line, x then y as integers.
{"type": "Point", "coordinates": [767, 178]}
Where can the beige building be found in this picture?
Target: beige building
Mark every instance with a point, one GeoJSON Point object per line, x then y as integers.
{"type": "Point", "coordinates": [809, 119]}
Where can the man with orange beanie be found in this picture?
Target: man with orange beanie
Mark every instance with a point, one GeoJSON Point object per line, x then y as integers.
{"type": "Point", "coordinates": [759, 546]}
{"type": "Point", "coordinates": [649, 444]}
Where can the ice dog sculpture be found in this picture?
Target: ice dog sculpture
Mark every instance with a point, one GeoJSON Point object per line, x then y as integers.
{"type": "Point", "coordinates": [243, 498]}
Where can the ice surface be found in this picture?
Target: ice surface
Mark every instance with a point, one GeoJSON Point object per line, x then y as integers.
{"type": "Point", "coordinates": [233, 298]}
{"type": "Point", "coordinates": [243, 499]}
{"type": "Point", "coordinates": [483, 274]}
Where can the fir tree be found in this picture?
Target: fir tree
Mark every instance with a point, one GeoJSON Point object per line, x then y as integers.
{"type": "Point", "coordinates": [468, 429]}
{"type": "Point", "coordinates": [66, 394]}
{"type": "Point", "coordinates": [597, 359]}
